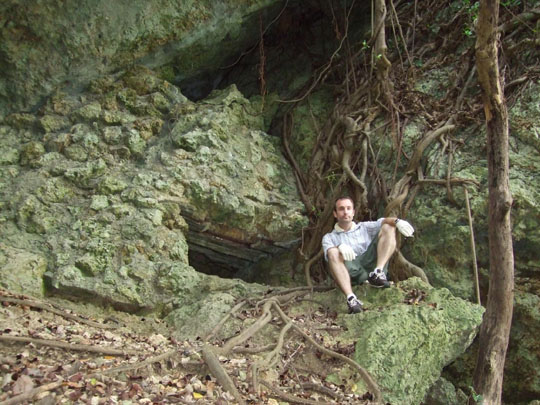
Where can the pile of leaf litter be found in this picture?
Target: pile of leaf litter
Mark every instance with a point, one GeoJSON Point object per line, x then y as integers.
{"type": "Point", "coordinates": [54, 353]}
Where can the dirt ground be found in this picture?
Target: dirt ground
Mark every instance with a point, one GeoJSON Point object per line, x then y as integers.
{"type": "Point", "coordinates": [61, 352]}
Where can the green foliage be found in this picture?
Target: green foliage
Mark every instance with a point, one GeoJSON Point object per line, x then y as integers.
{"type": "Point", "coordinates": [478, 398]}
{"type": "Point", "coordinates": [365, 45]}
{"type": "Point", "coordinates": [510, 3]}
{"type": "Point", "coordinates": [471, 9]}
{"type": "Point", "coordinates": [467, 31]}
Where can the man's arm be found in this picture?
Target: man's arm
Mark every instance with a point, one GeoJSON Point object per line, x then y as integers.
{"type": "Point", "coordinates": [402, 226]}
{"type": "Point", "coordinates": [390, 221]}
{"type": "Point", "coordinates": [327, 243]}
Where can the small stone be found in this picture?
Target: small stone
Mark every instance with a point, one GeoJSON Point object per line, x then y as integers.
{"type": "Point", "coordinates": [9, 156]}
{"type": "Point", "coordinates": [54, 123]}
{"type": "Point", "coordinates": [112, 135]}
{"type": "Point", "coordinates": [77, 153]}
{"type": "Point", "coordinates": [99, 202]}
{"type": "Point", "coordinates": [88, 113]}
{"type": "Point", "coordinates": [31, 152]}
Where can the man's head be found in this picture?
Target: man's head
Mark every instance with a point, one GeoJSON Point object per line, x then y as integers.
{"type": "Point", "coordinates": [345, 197]}
{"type": "Point", "coordinates": [344, 212]}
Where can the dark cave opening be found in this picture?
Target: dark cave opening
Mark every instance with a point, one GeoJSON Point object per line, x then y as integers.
{"type": "Point", "coordinates": [300, 36]}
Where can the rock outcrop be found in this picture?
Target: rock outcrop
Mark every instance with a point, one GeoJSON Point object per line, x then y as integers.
{"type": "Point", "coordinates": [404, 338]}
{"type": "Point", "coordinates": [107, 190]}
{"type": "Point", "coordinates": [51, 44]}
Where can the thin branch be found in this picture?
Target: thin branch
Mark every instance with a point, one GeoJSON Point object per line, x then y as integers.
{"type": "Point", "coordinates": [252, 350]}
{"type": "Point", "coordinates": [473, 247]}
{"type": "Point", "coordinates": [223, 320]}
{"type": "Point", "coordinates": [28, 396]}
{"type": "Point", "coordinates": [452, 180]}
{"type": "Point", "coordinates": [459, 99]}
{"type": "Point", "coordinates": [291, 398]}
{"type": "Point", "coordinates": [135, 366]}
{"type": "Point", "coordinates": [520, 18]}
{"type": "Point", "coordinates": [401, 33]}
{"type": "Point", "coordinates": [327, 66]}
{"type": "Point", "coordinates": [47, 307]}
{"type": "Point", "coordinates": [449, 192]}
{"type": "Point", "coordinates": [68, 346]}
{"type": "Point", "coordinates": [257, 44]}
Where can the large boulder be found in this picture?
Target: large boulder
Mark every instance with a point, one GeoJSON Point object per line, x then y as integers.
{"type": "Point", "coordinates": [106, 191]}
{"type": "Point", "coordinates": [239, 197]}
{"type": "Point", "coordinates": [413, 341]}
{"type": "Point", "coordinates": [404, 338]}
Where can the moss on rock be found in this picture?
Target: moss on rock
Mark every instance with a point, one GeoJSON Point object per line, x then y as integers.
{"type": "Point", "coordinates": [405, 347]}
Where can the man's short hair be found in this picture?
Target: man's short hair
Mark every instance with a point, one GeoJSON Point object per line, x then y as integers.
{"type": "Point", "coordinates": [343, 197]}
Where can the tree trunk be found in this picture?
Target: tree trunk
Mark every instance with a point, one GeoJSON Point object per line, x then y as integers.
{"type": "Point", "coordinates": [495, 328]}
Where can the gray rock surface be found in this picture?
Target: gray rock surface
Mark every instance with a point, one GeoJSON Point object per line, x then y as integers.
{"type": "Point", "coordinates": [106, 191]}
{"type": "Point", "coordinates": [51, 44]}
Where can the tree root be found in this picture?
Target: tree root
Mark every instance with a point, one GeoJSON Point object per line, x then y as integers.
{"type": "Point", "coordinates": [407, 269]}
{"type": "Point", "coordinates": [68, 346]}
{"type": "Point", "coordinates": [264, 319]}
{"type": "Point", "coordinates": [47, 307]}
{"type": "Point", "coordinates": [318, 288]}
{"type": "Point", "coordinates": [290, 398]}
{"type": "Point", "coordinates": [370, 383]}
{"type": "Point", "coordinates": [323, 390]}
{"type": "Point", "coordinates": [219, 372]}
{"type": "Point", "coordinates": [28, 396]}
{"type": "Point", "coordinates": [217, 328]}
{"type": "Point", "coordinates": [309, 263]}
{"type": "Point", "coordinates": [473, 247]}
{"type": "Point", "coordinates": [271, 358]}
{"type": "Point", "coordinates": [135, 366]}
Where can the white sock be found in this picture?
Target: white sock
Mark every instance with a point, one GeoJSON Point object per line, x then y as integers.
{"type": "Point", "coordinates": [351, 296]}
{"type": "Point", "coordinates": [377, 270]}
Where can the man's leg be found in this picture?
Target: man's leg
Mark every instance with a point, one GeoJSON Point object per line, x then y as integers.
{"type": "Point", "coordinates": [339, 271]}
{"type": "Point", "coordinates": [343, 279]}
{"type": "Point", "coordinates": [378, 254]}
{"type": "Point", "coordinates": [386, 245]}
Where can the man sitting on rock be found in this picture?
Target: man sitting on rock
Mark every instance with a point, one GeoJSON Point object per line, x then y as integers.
{"type": "Point", "coordinates": [360, 251]}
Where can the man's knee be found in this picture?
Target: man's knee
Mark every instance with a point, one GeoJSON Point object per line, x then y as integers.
{"type": "Point", "coordinates": [334, 255]}
{"type": "Point", "coordinates": [387, 230]}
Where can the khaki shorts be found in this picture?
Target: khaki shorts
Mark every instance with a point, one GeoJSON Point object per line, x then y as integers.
{"type": "Point", "coordinates": [364, 264]}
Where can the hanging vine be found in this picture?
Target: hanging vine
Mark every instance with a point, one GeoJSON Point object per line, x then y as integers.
{"type": "Point", "coordinates": [376, 101]}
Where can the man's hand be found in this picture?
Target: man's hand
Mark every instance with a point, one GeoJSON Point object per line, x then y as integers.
{"type": "Point", "coordinates": [347, 252]}
{"type": "Point", "coordinates": [404, 227]}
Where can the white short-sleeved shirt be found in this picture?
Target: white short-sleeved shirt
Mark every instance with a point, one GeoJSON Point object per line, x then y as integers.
{"type": "Point", "coordinates": [358, 237]}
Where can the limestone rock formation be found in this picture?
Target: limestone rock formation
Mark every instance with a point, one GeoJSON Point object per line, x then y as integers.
{"type": "Point", "coordinates": [404, 338]}
{"type": "Point", "coordinates": [50, 45]}
{"type": "Point", "coordinates": [106, 190]}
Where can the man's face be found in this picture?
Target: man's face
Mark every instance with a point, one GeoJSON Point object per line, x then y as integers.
{"type": "Point", "coordinates": [344, 212]}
